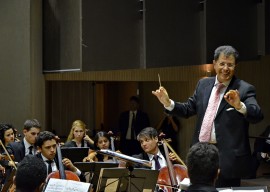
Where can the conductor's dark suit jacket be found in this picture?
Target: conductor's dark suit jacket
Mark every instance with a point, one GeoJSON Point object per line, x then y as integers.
{"type": "Point", "coordinates": [231, 127]}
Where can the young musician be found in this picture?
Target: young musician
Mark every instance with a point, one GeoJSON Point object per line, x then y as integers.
{"type": "Point", "coordinates": [46, 145]}
{"type": "Point", "coordinates": [30, 175]}
{"type": "Point", "coordinates": [77, 136]}
{"type": "Point", "coordinates": [26, 146]}
{"type": "Point", "coordinates": [203, 167]}
{"type": "Point", "coordinates": [6, 136]}
{"type": "Point", "coordinates": [101, 141]}
{"type": "Point", "coordinates": [148, 138]}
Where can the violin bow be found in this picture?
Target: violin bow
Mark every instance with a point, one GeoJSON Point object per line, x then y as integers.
{"type": "Point", "coordinates": [178, 158]}
{"type": "Point", "coordinates": [8, 154]}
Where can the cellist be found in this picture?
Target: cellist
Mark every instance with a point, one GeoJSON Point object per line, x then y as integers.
{"type": "Point", "coordinates": [169, 175]}
{"type": "Point", "coordinates": [149, 141]}
{"type": "Point", "coordinates": [46, 144]}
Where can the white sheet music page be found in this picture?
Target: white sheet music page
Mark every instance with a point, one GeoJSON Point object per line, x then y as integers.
{"type": "Point", "coordinates": [61, 185]}
{"type": "Point", "coordinates": [231, 190]}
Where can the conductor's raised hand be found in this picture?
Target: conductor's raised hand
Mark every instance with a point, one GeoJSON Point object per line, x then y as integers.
{"type": "Point", "coordinates": [233, 98]}
{"type": "Point", "coordinates": [162, 96]}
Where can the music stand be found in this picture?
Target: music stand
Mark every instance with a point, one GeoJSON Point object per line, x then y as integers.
{"type": "Point", "coordinates": [94, 169]}
{"type": "Point", "coordinates": [120, 180]}
{"type": "Point", "coordinates": [75, 154]}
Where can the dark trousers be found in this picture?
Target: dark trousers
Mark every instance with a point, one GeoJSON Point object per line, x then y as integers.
{"type": "Point", "coordinates": [224, 182]}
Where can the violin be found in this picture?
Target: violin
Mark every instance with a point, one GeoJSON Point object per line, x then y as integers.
{"type": "Point", "coordinates": [170, 176]}
{"type": "Point", "coordinates": [11, 187]}
{"type": "Point", "coordinates": [62, 173]}
{"type": "Point", "coordinates": [5, 157]}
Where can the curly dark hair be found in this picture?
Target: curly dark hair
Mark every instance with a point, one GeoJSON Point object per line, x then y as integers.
{"type": "Point", "coordinates": [203, 163]}
{"type": "Point", "coordinates": [31, 173]}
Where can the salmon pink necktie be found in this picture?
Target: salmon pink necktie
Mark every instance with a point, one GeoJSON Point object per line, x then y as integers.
{"type": "Point", "coordinates": [210, 114]}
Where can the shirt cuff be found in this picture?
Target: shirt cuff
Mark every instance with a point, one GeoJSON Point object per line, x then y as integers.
{"type": "Point", "coordinates": [78, 172]}
{"type": "Point", "coordinates": [243, 109]}
{"type": "Point", "coordinates": [171, 107]}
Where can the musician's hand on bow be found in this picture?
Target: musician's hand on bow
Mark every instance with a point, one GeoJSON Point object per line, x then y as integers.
{"type": "Point", "coordinates": [233, 98]}
{"type": "Point", "coordinates": [66, 162]}
{"type": "Point", "coordinates": [11, 164]}
{"type": "Point", "coordinates": [173, 157]}
{"type": "Point", "coordinates": [91, 157]}
{"type": "Point", "coordinates": [162, 96]}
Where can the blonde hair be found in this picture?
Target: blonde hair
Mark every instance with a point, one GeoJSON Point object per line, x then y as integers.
{"type": "Point", "coordinates": [76, 123]}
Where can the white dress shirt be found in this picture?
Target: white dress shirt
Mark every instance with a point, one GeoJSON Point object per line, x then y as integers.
{"type": "Point", "coordinates": [161, 160]}
{"type": "Point", "coordinates": [243, 110]}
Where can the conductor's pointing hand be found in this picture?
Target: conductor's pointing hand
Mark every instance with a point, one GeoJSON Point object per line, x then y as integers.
{"type": "Point", "coordinates": [162, 96]}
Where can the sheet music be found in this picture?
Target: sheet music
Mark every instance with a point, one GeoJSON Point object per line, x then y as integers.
{"type": "Point", "coordinates": [61, 185]}
{"type": "Point", "coordinates": [125, 157]}
{"type": "Point", "coordinates": [232, 190]}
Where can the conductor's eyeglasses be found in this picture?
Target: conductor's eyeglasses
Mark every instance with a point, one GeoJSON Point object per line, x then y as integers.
{"type": "Point", "coordinates": [229, 65]}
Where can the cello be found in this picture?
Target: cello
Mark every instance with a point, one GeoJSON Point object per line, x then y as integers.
{"type": "Point", "coordinates": [62, 173]}
{"type": "Point", "coordinates": [170, 176]}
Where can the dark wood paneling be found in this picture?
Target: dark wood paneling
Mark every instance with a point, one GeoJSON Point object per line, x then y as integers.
{"type": "Point", "coordinates": [67, 102]}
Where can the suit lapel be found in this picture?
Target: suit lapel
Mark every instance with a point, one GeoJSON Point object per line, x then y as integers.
{"type": "Point", "coordinates": [207, 92]}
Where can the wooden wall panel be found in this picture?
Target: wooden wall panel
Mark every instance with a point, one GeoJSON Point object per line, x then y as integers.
{"type": "Point", "coordinates": [180, 82]}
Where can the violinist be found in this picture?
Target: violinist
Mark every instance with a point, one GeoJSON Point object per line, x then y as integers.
{"type": "Point", "coordinates": [46, 145]}
{"type": "Point", "coordinates": [101, 141]}
{"type": "Point", "coordinates": [25, 147]}
{"type": "Point", "coordinates": [6, 136]}
{"type": "Point", "coordinates": [77, 136]}
{"type": "Point", "coordinates": [203, 167]}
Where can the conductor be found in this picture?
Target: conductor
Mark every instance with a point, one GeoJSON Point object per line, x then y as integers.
{"type": "Point", "coordinates": [225, 106]}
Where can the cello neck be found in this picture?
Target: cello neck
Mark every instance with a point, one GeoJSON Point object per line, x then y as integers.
{"type": "Point", "coordinates": [61, 166]}
{"type": "Point", "coordinates": [169, 165]}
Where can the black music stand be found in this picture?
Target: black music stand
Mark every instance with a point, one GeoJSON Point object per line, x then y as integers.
{"type": "Point", "coordinates": [125, 180]}
{"type": "Point", "coordinates": [74, 154]}
{"type": "Point", "coordinates": [94, 169]}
